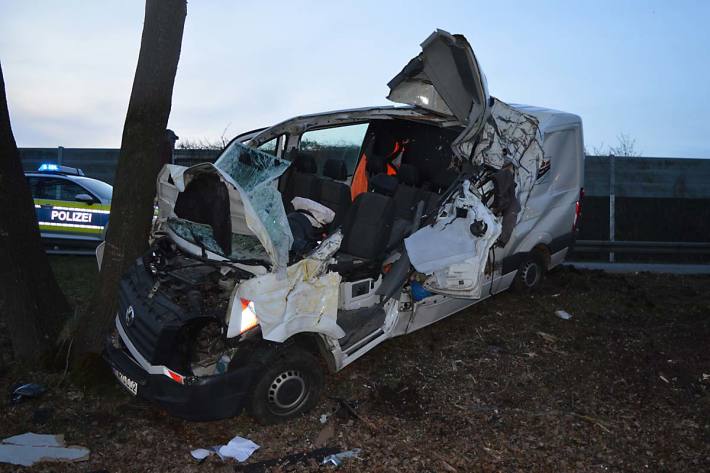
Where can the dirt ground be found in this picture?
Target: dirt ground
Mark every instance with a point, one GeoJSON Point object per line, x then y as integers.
{"type": "Point", "coordinates": [504, 386]}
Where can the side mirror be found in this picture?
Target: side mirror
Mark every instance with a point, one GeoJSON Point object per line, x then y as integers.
{"type": "Point", "coordinates": [86, 198]}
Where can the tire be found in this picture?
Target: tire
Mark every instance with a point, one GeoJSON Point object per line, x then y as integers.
{"type": "Point", "coordinates": [290, 385]}
{"type": "Point", "coordinates": [530, 273]}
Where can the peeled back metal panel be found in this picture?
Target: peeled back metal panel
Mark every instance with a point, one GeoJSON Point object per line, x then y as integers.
{"type": "Point", "coordinates": [451, 66]}
{"type": "Point", "coordinates": [444, 78]}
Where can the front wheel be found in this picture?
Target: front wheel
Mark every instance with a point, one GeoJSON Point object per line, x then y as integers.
{"type": "Point", "coordinates": [289, 386]}
{"type": "Point", "coordinates": [530, 273]}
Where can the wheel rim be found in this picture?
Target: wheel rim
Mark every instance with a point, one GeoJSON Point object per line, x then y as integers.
{"type": "Point", "coordinates": [287, 392]}
{"type": "Point", "coordinates": [531, 274]}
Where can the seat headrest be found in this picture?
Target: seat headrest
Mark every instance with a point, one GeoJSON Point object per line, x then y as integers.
{"type": "Point", "coordinates": [305, 163]}
{"type": "Point", "coordinates": [408, 175]}
{"type": "Point", "coordinates": [375, 165]}
{"type": "Point", "coordinates": [335, 169]}
{"type": "Point", "coordinates": [384, 184]}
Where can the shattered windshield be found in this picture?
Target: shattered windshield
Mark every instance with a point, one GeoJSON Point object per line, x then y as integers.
{"type": "Point", "coordinates": [244, 247]}
{"type": "Point", "coordinates": [248, 167]}
{"type": "Point", "coordinates": [253, 172]}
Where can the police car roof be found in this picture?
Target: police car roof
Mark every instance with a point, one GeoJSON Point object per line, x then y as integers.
{"type": "Point", "coordinates": [51, 168]}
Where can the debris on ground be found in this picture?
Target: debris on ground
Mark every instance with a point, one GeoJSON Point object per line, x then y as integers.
{"type": "Point", "coordinates": [22, 391]}
{"type": "Point", "coordinates": [30, 448]}
{"type": "Point", "coordinates": [484, 393]}
{"type": "Point", "coordinates": [563, 314]}
{"type": "Point", "coordinates": [200, 454]}
{"type": "Point", "coordinates": [325, 435]}
{"type": "Point", "coordinates": [336, 459]}
{"type": "Point", "coordinates": [238, 448]}
{"type": "Point", "coordinates": [318, 455]}
{"type": "Point", "coordinates": [547, 337]}
{"type": "Point", "coordinates": [348, 409]}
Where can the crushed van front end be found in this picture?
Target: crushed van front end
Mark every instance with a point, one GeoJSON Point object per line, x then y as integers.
{"type": "Point", "coordinates": [169, 343]}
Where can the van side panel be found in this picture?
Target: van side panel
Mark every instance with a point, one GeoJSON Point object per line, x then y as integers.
{"type": "Point", "coordinates": [549, 215]}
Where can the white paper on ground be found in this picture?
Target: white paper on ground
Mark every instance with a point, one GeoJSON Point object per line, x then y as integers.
{"type": "Point", "coordinates": [200, 453]}
{"type": "Point", "coordinates": [36, 440]}
{"type": "Point", "coordinates": [29, 448]}
{"type": "Point", "coordinates": [239, 448]}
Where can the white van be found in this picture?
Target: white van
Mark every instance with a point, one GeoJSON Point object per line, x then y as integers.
{"type": "Point", "coordinates": [309, 243]}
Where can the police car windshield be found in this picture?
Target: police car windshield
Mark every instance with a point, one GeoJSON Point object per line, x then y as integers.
{"type": "Point", "coordinates": [99, 188]}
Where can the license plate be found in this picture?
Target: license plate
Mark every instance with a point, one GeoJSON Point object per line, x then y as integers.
{"type": "Point", "coordinates": [127, 382]}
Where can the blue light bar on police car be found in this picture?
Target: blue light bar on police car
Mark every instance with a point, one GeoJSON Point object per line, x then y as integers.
{"type": "Point", "coordinates": [51, 167]}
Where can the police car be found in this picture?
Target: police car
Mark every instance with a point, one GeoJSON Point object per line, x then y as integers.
{"type": "Point", "coordinates": [72, 209]}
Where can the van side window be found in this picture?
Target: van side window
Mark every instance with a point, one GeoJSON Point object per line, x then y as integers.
{"type": "Point", "coordinates": [269, 146]}
{"type": "Point", "coordinates": [342, 142]}
{"type": "Point", "coordinates": [274, 147]}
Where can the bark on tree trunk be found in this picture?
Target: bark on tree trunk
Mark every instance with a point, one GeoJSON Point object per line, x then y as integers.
{"type": "Point", "coordinates": [138, 164]}
{"type": "Point", "coordinates": [30, 299]}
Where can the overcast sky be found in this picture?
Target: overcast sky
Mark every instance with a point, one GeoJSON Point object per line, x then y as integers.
{"type": "Point", "coordinates": [641, 68]}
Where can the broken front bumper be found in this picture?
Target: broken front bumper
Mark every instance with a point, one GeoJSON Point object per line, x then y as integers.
{"type": "Point", "coordinates": [205, 398]}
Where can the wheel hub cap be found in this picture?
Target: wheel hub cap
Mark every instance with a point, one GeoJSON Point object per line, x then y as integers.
{"type": "Point", "coordinates": [287, 391]}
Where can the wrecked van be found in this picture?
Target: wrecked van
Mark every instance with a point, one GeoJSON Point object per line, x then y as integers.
{"type": "Point", "coordinates": [308, 243]}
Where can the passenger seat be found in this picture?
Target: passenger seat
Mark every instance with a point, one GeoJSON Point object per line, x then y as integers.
{"type": "Point", "coordinates": [303, 181]}
{"type": "Point", "coordinates": [409, 194]}
{"type": "Point", "coordinates": [367, 227]}
{"type": "Point", "coordinates": [334, 193]}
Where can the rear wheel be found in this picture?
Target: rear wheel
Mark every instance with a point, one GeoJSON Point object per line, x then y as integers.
{"type": "Point", "coordinates": [289, 386]}
{"type": "Point", "coordinates": [530, 273]}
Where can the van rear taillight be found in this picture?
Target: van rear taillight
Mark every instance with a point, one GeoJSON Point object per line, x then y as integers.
{"type": "Point", "coordinates": [578, 209]}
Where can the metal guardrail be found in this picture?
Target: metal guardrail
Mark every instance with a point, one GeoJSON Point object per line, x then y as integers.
{"type": "Point", "coordinates": [655, 247]}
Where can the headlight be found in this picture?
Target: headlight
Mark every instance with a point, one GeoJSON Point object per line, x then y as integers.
{"type": "Point", "coordinates": [248, 320]}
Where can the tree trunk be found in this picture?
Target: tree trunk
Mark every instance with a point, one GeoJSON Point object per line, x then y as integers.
{"type": "Point", "coordinates": [138, 164]}
{"type": "Point", "coordinates": [32, 303]}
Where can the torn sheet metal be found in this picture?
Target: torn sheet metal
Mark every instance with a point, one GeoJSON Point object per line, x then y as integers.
{"type": "Point", "coordinates": [256, 208]}
{"type": "Point", "coordinates": [514, 135]}
{"type": "Point", "coordinates": [29, 448]}
{"type": "Point", "coordinates": [449, 252]}
{"type": "Point", "coordinates": [305, 301]}
{"type": "Point", "coordinates": [447, 79]}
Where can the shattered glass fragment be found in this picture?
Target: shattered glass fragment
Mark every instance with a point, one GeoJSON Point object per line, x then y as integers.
{"type": "Point", "coordinates": [254, 172]}
{"type": "Point", "coordinates": [249, 167]}
{"type": "Point", "coordinates": [244, 247]}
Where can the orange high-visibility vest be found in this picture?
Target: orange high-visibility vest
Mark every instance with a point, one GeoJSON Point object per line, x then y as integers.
{"type": "Point", "coordinates": [360, 181]}
{"type": "Point", "coordinates": [359, 184]}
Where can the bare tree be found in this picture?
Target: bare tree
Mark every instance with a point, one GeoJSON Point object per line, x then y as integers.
{"type": "Point", "coordinates": [206, 143]}
{"type": "Point", "coordinates": [30, 298]}
{"type": "Point", "coordinates": [625, 147]}
{"type": "Point", "coordinates": [139, 163]}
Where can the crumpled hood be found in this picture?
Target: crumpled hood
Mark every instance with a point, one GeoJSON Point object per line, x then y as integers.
{"type": "Point", "coordinates": [255, 206]}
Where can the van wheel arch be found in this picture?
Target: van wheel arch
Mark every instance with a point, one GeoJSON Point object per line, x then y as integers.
{"type": "Point", "coordinates": [314, 344]}
{"type": "Point", "coordinates": [532, 269]}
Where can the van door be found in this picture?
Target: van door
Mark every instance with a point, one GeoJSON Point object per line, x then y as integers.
{"type": "Point", "coordinates": [446, 79]}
